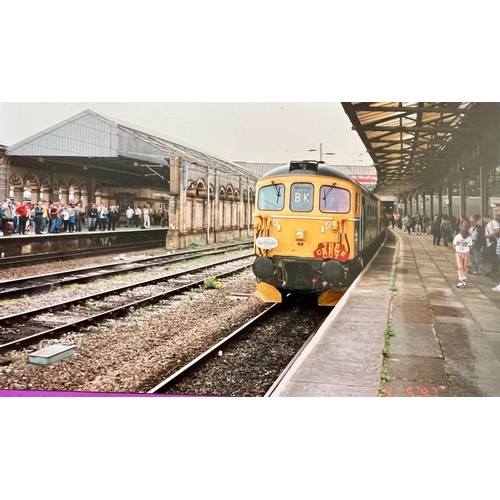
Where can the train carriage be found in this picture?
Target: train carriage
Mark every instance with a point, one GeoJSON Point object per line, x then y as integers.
{"type": "Point", "coordinates": [314, 228]}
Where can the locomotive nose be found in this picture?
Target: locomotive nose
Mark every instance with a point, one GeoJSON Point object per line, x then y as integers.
{"type": "Point", "coordinates": [263, 267]}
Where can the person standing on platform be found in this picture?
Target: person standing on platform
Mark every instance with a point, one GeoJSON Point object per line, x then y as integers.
{"type": "Point", "coordinates": [445, 230]}
{"type": "Point", "coordinates": [147, 220]}
{"type": "Point", "coordinates": [22, 212]}
{"type": "Point", "coordinates": [130, 216]}
{"type": "Point", "coordinates": [113, 216]}
{"type": "Point", "coordinates": [79, 217]}
{"type": "Point", "coordinates": [462, 243]}
{"type": "Point", "coordinates": [497, 288]}
{"type": "Point", "coordinates": [72, 218]}
{"type": "Point", "coordinates": [476, 232]}
{"type": "Point", "coordinates": [491, 231]}
{"type": "Point", "coordinates": [137, 216]}
{"type": "Point", "coordinates": [418, 224]}
{"type": "Point", "coordinates": [397, 218]}
{"type": "Point", "coordinates": [54, 217]}
{"type": "Point", "coordinates": [436, 231]}
{"type": "Point", "coordinates": [8, 210]}
{"type": "Point", "coordinates": [165, 219]}
{"type": "Point", "coordinates": [406, 224]}
{"type": "Point", "coordinates": [92, 217]}
{"type": "Point", "coordinates": [38, 217]}
{"type": "Point", "coordinates": [45, 217]}
{"type": "Point", "coordinates": [102, 217]}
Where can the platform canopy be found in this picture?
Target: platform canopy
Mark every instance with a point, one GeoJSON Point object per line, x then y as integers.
{"type": "Point", "coordinates": [97, 143]}
{"type": "Point", "coordinates": [410, 142]}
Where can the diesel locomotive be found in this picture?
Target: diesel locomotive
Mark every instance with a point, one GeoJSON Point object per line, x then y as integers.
{"type": "Point", "coordinates": [314, 228]}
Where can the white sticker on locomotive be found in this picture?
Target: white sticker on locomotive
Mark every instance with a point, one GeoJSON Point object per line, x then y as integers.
{"type": "Point", "coordinates": [266, 242]}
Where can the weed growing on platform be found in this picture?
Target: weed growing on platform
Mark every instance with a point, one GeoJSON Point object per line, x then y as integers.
{"type": "Point", "coordinates": [384, 374]}
{"type": "Point", "coordinates": [387, 335]}
{"type": "Point", "coordinates": [393, 287]}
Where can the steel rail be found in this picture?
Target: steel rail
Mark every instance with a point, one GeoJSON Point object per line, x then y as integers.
{"type": "Point", "coordinates": [113, 291]}
{"type": "Point", "coordinates": [30, 259]}
{"type": "Point", "coordinates": [115, 312]}
{"type": "Point", "coordinates": [192, 365]}
{"type": "Point", "coordinates": [80, 275]}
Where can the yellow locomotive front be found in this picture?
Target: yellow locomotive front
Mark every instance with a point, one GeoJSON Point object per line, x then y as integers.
{"type": "Point", "coordinates": [308, 232]}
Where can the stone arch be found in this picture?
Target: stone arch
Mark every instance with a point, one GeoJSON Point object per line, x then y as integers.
{"type": "Point", "coordinates": [45, 189]}
{"type": "Point", "coordinates": [30, 188]}
{"type": "Point", "coordinates": [74, 191]}
{"type": "Point", "coordinates": [191, 187]}
{"type": "Point", "coordinates": [15, 187]}
{"type": "Point", "coordinates": [201, 187]}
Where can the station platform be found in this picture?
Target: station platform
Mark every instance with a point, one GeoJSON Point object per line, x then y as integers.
{"type": "Point", "coordinates": [405, 329]}
{"type": "Point", "coordinates": [16, 245]}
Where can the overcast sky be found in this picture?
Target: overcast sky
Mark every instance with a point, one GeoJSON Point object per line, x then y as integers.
{"type": "Point", "coordinates": [252, 131]}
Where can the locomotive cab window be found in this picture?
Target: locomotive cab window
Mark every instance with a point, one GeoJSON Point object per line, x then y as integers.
{"type": "Point", "coordinates": [334, 199]}
{"type": "Point", "coordinates": [301, 199]}
{"type": "Point", "coordinates": [271, 197]}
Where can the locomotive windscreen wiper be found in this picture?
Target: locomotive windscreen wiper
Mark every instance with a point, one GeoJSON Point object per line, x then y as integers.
{"type": "Point", "coordinates": [328, 192]}
{"type": "Point", "coordinates": [278, 194]}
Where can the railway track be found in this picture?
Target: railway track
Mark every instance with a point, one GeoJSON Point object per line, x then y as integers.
{"type": "Point", "coordinates": [32, 284]}
{"type": "Point", "coordinates": [29, 326]}
{"type": "Point", "coordinates": [40, 258]}
{"type": "Point", "coordinates": [248, 361]}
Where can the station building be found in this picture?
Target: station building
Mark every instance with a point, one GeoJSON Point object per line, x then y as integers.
{"type": "Point", "coordinates": [90, 158]}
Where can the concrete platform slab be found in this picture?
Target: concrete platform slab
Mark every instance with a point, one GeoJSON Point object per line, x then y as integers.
{"type": "Point", "coordinates": [415, 340]}
{"type": "Point", "coordinates": [446, 341]}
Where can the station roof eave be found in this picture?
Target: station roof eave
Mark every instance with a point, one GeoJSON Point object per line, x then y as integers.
{"type": "Point", "coordinates": [409, 142]}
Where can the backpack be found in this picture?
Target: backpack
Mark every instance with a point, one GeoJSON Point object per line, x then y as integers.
{"type": "Point", "coordinates": [481, 240]}
{"type": "Point", "coordinates": [445, 225]}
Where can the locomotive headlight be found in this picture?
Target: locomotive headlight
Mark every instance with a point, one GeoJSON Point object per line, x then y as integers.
{"type": "Point", "coordinates": [299, 235]}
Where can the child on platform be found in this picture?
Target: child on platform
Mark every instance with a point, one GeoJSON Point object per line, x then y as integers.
{"type": "Point", "coordinates": [462, 242]}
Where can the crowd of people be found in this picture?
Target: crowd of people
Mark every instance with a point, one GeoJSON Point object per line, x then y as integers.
{"type": "Point", "coordinates": [475, 239]}
{"type": "Point", "coordinates": [55, 217]}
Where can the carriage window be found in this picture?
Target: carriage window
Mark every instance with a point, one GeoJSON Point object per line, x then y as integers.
{"type": "Point", "coordinates": [334, 199]}
{"type": "Point", "coordinates": [271, 197]}
{"type": "Point", "coordinates": [301, 199]}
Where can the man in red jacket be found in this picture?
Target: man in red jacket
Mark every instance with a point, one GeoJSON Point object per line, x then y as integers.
{"type": "Point", "coordinates": [22, 211]}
